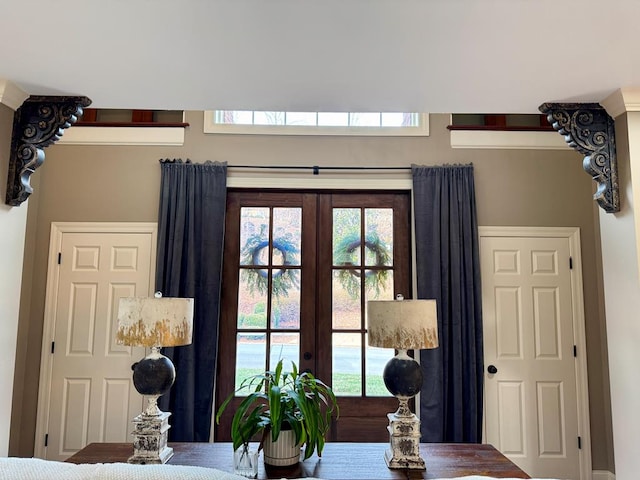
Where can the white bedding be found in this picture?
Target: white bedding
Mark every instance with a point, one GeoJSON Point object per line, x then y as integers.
{"type": "Point", "coordinates": [14, 468]}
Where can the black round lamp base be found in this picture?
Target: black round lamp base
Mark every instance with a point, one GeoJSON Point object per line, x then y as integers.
{"type": "Point", "coordinates": [403, 377]}
{"type": "Point", "coordinates": [153, 375]}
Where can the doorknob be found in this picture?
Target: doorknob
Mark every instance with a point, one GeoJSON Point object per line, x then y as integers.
{"type": "Point", "coordinates": [492, 369]}
{"type": "Point", "coordinates": [307, 355]}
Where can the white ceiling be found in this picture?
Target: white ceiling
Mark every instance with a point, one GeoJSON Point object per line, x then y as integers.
{"type": "Point", "coordinates": [452, 56]}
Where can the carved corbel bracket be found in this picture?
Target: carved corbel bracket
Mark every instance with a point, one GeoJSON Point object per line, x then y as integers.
{"type": "Point", "coordinates": [38, 123]}
{"type": "Point", "coordinates": [588, 128]}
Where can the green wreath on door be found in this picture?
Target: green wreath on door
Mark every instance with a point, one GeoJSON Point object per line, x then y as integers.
{"type": "Point", "coordinates": [344, 254]}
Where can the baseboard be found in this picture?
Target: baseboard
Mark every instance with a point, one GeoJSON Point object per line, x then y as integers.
{"type": "Point", "coordinates": [603, 475]}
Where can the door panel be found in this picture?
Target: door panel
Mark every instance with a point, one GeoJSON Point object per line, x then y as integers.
{"type": "Point", "coordinates": [362, 411]}
{"type": "Point", "coordinates": [264, 314]}
{"type": "Point", "coordinates": [531, 400]}
{"type": "Point", "coordinates": [92, 398]}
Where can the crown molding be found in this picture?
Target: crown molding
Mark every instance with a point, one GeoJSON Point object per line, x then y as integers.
{"type": "Point", "coordinates": [621, 101]}
{"type": "Point", "coordinates": [11, 95]}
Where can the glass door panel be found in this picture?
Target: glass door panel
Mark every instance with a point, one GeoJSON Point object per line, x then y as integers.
{"type": "Point", "coordinates": [269, 288]}
{"type": "Point", "coordinates": [250, 355]}
{"type": "Point", "coordinates": [347, 360]}
{"type": "Point", "coordinates": [359, 233]}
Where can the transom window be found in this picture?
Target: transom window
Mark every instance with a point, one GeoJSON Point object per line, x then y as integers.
{"type": "Point", "coordinates": [316, 123]}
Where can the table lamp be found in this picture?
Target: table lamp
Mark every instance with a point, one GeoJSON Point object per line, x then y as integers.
{"type": "Point", "coordinates": [153, 322]}
{"type": "Point", "coordinates": [403, 325]}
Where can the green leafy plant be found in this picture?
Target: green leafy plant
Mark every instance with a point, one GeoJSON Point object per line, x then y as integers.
{"type": "Point", "coordinates": [280, 400]}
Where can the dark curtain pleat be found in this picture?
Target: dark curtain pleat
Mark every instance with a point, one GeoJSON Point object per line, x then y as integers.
{"type": "Point", "coordinates": [190, 241]}
{"type": "Point", "coordinates": [448, 269]}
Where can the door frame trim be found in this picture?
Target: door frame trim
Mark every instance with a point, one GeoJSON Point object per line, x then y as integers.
{"type": "Point", "coordinates": [572, 234]}
{"type": "Point", "coordinates": [58, 229]}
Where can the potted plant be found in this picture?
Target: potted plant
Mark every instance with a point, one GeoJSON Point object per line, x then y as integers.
{"type": "Point", "coordinates": [283, 405]}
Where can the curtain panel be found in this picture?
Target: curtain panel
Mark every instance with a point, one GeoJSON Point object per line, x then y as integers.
{"type": "Point", "coordinates": [448, 270]}
{"type": "Point", "coordinates": [189, 264]}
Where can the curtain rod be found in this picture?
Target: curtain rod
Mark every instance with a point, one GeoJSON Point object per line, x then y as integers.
{"type": "Point", "coordinates": [316, 169]}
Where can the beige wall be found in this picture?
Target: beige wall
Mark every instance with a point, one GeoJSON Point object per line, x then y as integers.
{"type": "Point", "coordinates": [513, 187]}
{"type": "Point", "coordinates": [12, 235]}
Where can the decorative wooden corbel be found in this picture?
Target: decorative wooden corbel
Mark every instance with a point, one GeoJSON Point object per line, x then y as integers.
{"type": "Point", "coordinates": [588, 128]}
{"type": "Point", "coordinates": [38, 123]}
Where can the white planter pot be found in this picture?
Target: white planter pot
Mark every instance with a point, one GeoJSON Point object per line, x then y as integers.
{"type": "Point", "coordinates": [283, 451]}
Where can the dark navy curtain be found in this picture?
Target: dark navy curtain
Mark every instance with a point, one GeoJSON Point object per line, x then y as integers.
{"type": "Point", "coordinates": [448, 269]}
{"type": "Point", "coordinates": [190, 241]}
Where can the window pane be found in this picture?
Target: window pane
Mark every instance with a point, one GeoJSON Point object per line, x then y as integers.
{"type": "Point", "coordinates": [234, 117]}
{"type": "Point", "coordinates": [284, 346]}
{"type": "Point", "coordinates": [376, 359]}
{"type": "Point", "coordinates": [346, 236]}
{"type": "Point", "coordinates": [370, 119]}
{"type": "Point", "coordinates": [380, 289]}
{"type": "Point", "coordinates": [268, 118]}
{"type": "Point", "coordinates": [347, 361]}
{"type": "Point", "coordinates": [252, 300]}
{"type": "Point", "coordinates": [382, 285]}
{"type": "Point", "coordinates": [287, 234]}
{"type": "Point", "coordinates": [333, 119]}
{"type": "Point", "coordinates": [251, 354]}
{"type": "Point", "coordinates": [224, 116]}
{"type": "Point", "coordinates": [243, 117]}
{"type": "Point", "coordinates": [285, 301]}
{"type": "Point", "coordinates": [301, 118]}
{"type": "Point", "coordinates": [400, 120]}
{"type": "Point", "coordinates": [345, 308]}
{"type": "Point", "coordinates": [254, 236]}
{"type": "Point", "coordinates": [393, 120]}
{"type": "Point", "coordinates": [378, 237]}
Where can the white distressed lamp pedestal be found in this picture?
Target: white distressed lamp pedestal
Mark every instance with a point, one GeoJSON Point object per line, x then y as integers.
{"type": "Point", "coordinates": [150, 436]}
{"type": "Point", "coordinates": [404, 325]}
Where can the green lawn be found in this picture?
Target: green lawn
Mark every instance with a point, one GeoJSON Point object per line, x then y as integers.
{"type": "Point", "coordinates": [344, 384]}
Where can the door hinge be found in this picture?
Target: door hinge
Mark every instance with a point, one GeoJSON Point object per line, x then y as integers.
{"type": "Point", "coordinates": [575, 351]}
{"type": "Point", "coordinates": [570, 263]}
{"type": "Point", "coordinates": [46, 439]}
{"type": "Point", "coordinates": [53, 347]}
{"type": "Point", "coordinates": [579, 443]}
{"type": "Point", "coordinates": [59, 258]}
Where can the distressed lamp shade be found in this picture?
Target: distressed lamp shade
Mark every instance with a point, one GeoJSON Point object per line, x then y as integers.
{"type": "Point", "coordinates": [153, 322]}
{"type": "Point", "coordinates": [403, 325]}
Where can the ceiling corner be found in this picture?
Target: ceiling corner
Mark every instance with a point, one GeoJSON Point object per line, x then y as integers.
{"type": "Point", "coordinates": [11, 95]}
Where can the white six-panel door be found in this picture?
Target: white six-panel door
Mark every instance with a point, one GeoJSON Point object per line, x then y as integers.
{"type": "Point", "coordinates": [531, 400]}
{"type": "Point", "coordinates": [87, 378]}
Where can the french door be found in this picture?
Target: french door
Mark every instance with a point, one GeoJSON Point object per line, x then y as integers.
{"type": "Point", "coordinates": [298, 270]}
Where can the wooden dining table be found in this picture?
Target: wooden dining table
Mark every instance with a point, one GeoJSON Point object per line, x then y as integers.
{"type": "Point", "coordinates": [339, 461]}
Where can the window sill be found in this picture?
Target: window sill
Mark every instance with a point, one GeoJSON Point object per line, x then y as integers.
{"type": "Point", "coordinates": [115, 134]}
